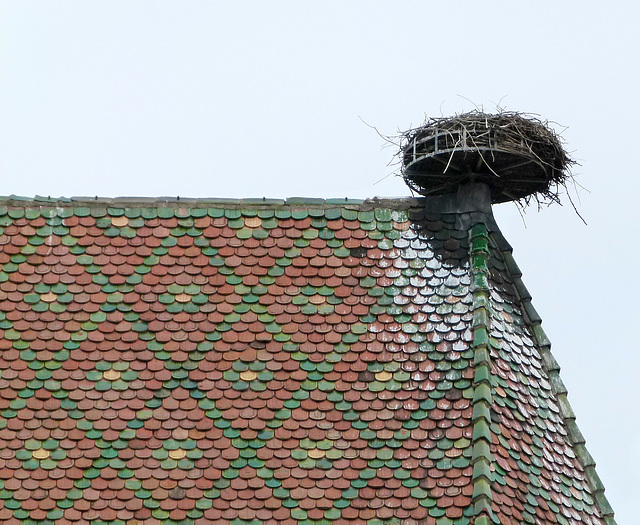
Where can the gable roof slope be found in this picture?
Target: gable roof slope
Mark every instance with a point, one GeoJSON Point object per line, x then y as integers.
{"type": "Point", "coordinates": [300, 362]}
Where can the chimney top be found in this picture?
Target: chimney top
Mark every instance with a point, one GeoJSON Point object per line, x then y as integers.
{"type": "Point", "coordinates": [517, 155]}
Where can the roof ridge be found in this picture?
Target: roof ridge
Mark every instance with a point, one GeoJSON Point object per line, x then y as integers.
{"type": "Point", "coordinates": [482, 458]}
{"type": "Point", "coordinates": [551, 366]}
{"type": "Point", "coordinates": [177, 201]}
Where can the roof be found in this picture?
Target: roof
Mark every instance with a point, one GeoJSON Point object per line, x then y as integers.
{"type": "Point", "coordinates": [300, 362]}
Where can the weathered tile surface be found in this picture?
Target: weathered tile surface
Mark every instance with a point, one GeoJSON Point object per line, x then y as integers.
{"type": "Point", "coordinates": [257, 364]}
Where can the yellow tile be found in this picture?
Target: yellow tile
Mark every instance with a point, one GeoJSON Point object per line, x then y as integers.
{"type": "Point", "coordinates": [41, 454]}
{"type": "Point", "coordinates": [384, 376]}
{"type": "Point", "coordinates": [111, 375]}
{"type": "Point", "coordinates": [119, 222]}
{"type": "Point", "coordinates": [253, 222]}
{"type": "Point", "coordinates": [248, 375]}
{"type": "Point", "coordinates": [49, 297]}
{"type": "Point", "coordinates": [177, 454]}
{"type": "Point", "coordinates": [316, 453]}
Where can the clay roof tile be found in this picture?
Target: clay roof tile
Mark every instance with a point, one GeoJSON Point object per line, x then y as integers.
{"type": "Point", "coordinates": [274, 362]}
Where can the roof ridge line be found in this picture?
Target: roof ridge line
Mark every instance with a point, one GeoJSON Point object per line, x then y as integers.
{"type": "Point", "coordinates": [481, 458]}
{"type": "Point", "coordinates": [405, 202]}
{"type": "Point", "coordinates": [552, 368]}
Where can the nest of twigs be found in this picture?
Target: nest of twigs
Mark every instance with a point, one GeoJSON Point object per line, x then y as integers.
{"type": "Point", "coordinates": [519, 156]}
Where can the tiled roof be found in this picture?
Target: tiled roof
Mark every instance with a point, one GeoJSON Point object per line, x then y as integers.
{"type": "Point", "coordinates": [301, 362]}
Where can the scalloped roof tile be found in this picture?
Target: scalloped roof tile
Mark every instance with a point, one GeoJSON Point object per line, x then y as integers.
{"type": "Point", "coordinates": [265, 361]}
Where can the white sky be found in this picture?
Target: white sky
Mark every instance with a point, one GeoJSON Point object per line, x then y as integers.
{"type": "Point", "coordinates": [252, 99]}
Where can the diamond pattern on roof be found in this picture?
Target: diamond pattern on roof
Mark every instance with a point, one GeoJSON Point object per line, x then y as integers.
{"type": "Point", "coordinates": [276, 364]}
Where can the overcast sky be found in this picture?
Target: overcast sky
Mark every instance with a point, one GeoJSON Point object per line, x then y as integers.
{"type": "Point", "coordinates": [253, 99]}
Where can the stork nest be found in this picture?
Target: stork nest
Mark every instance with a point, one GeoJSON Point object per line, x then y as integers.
{"type": "Point", "coordinates": [519, 156]}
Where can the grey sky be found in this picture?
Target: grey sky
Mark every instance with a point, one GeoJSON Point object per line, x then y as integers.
{"type": "Point", "coordinates": [252, 99]}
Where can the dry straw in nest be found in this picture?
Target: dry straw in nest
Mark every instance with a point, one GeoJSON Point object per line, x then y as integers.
{"type": "Point", "coordinates": [519, 156]}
